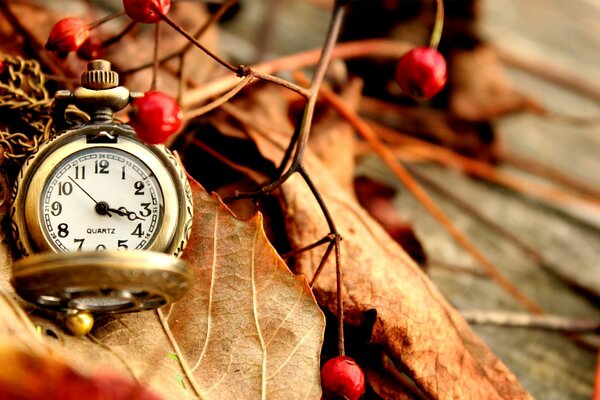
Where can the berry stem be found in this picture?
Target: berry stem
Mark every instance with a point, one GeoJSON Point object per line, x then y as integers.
{"type": "Point", "coordinates": [340, 301]}
{"type": "Point", "coordinates": [219, 101]}
{"type": "Point", "coordinates": [155, 57]}
{"type": "Point", "coordinates": [214, 18]}
{"type": "Point", "coordinates": [95, 24]}
{"type": "Point", "coordinates": [296, 165]}
{"type": "Point", "coordinates": [196, 43]}
{"type": "Point", "coordinates": [348, 50]}
{"type": "Point", "coordinates": [114, 39]}
{"type": "Point", "coordinates": [438, 26]}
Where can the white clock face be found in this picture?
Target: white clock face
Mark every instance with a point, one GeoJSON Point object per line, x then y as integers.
{"type": "Point", "coordinates": [101, 198]}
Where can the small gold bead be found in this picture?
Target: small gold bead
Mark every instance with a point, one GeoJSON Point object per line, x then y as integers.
{"type": "Point", "coordinates": [79, 323]}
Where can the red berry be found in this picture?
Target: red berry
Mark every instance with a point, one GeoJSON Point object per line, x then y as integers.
{"type": "Point", "coordinates": [342, 377]}
{"type": "Point", "coordinates": [421, 72]}
{"type": "Point", "coordinates": [155, 117]}
{"type": "Point", "coordinates": [67, 35]}
{"type": "Point", "coordinates": [146, 11]}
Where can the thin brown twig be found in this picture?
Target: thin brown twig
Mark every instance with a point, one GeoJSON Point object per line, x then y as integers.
{"type": "Point", "coordinates": [363, 48]}
{"type": "Point", "coordinates": [322, 263]}
{"type": "Point", "coordinates": [196, 43]}
{"type": "Point", "coordinates": [180, 78]}
{"type": "Point", "coordinates": [240, 70]}
{"type": "Point", "coordinates": [219, 101]}
{"type": "Point", "coordinates": [387, 155]}
{"type": "Point", "coordinates": [299, 148]}
{"type": "Point", "coordinates": [320, 242]}
{"type": "Point", "coordinates": [155, 57]}
{"type": "Point", "coordinates": [182, 51]}
{"type": "Point", "coordinates": [104, 20]}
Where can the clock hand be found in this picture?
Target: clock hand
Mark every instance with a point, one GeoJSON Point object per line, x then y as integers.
{"type": "Point", "coordinates": [101, 207]}
{"type": "Point", "coordinates": [131, 215]}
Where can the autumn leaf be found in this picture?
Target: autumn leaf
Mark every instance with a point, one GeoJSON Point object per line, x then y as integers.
{"type": "Point", "coordinates": [423, 335]}
{"type": "Point", "coordinates": [249, 328]}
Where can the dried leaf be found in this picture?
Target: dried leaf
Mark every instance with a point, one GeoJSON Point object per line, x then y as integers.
{"type": "Point", "coordinates": [377, 199]}
{"type": "Point", "coordinates": [415, 325]}
{"type": "Point", "coordinates": [249, 328]}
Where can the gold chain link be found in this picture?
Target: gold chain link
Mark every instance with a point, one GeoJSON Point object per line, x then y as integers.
{"type": "Point", "coordinates": [25, 100]}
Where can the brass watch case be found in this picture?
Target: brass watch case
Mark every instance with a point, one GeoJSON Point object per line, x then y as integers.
{"type": "Point", "coordinates": [101, 281]}
{"type": "Point", "coordinates": [174, 231]}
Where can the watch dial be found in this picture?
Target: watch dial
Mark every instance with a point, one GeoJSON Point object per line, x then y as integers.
{"type": "Point", "coordinates": [101, 198]}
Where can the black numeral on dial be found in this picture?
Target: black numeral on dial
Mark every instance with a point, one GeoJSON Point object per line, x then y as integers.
{"type": "Point", "coordinates": [101, 167]}
{"type": "Point", "coordinates": [80, 172]}
{"type": "Point", "coordinates": [65, 188]}
{"type": "Point", "coordinates": [55, 208]}
{"type": "Point", "coordinates": [138, 231]}
{"type": "Point", "coordinates": [63, 230]}
{"type": "Point", "coordinates": [139, 188]}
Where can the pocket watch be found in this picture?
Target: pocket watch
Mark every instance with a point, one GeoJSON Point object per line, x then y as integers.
{"type": "Point", "coordinates": [99, 217]}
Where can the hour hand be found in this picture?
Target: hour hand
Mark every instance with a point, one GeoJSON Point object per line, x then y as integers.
{"type": "Point", "coordinates": [122, 211]}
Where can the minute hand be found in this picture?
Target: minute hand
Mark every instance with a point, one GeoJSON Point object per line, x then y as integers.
{"type": "Point", "coordinates": [101, 207]}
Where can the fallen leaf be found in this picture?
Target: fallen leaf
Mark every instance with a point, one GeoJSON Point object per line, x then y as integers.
{"type": "Point", "coordinates": [249, 328]}
{"type": "Point", "coordinates": [414, 324]}
{"type": "Point", "coordinates": [377, 200]}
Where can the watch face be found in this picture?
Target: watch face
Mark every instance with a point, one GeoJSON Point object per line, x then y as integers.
{"type": "Point", "coordinates": [101, 198]}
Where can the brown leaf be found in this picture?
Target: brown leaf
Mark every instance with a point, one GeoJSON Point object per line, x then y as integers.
{"type": "Point", "coordinates": [415, 325]}
{"type": "Point", "coordinates": [249, 328]}
{"type": "Point", "coordinates": [377, 199]}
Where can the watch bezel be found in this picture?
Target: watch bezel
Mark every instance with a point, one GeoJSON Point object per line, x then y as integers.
{"type": "Point", "coordinates": [28, 231]}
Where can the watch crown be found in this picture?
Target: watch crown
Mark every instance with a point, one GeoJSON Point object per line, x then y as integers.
{"type": "Point", "coordinates": [99, 76]}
